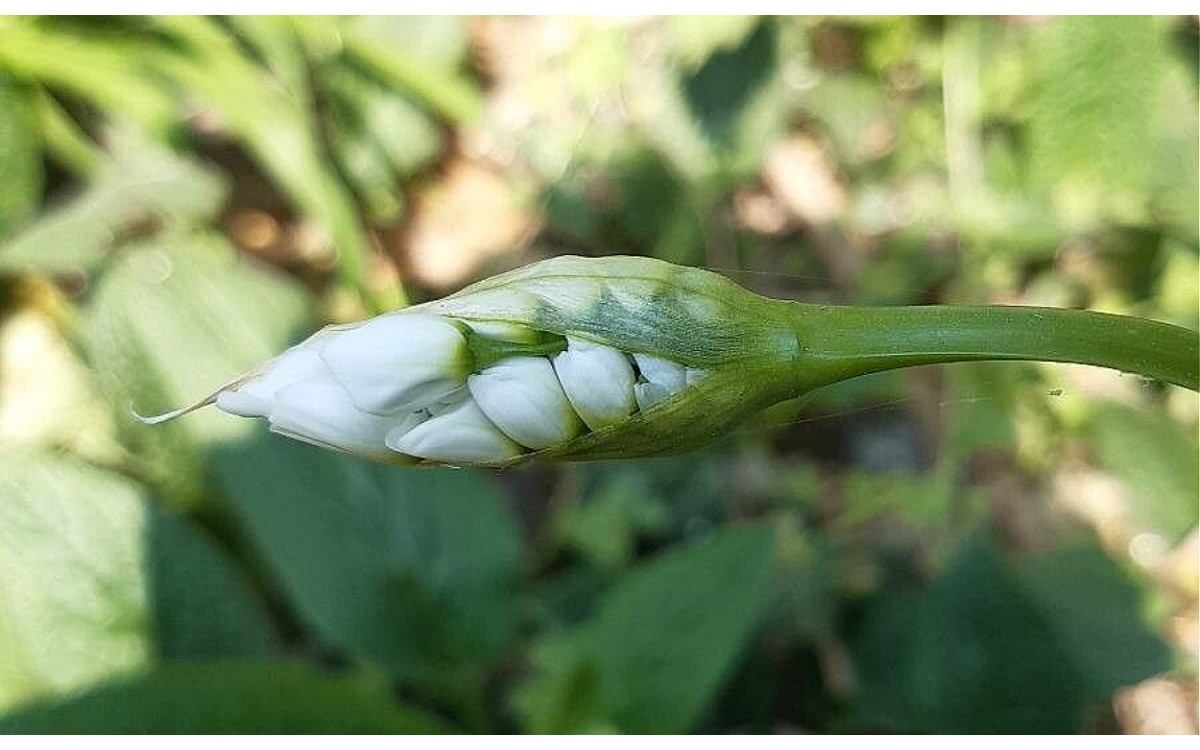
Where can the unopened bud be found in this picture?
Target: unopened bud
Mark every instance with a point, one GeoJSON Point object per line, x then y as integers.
{"type": "Point", "coordinates": [523, 397]}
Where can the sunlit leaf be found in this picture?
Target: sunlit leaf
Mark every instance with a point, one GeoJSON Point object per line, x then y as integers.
{"type": "Point", "coordinates": [234, 697]}
{"type": "Point", "coordinates": [171, 321]}
{"type": "Point", "coordinates": [138, 191]}
{"type": "Point", "coordinates": [1158, 463]}
{"type": "Point", "coordinates": [72, 576]}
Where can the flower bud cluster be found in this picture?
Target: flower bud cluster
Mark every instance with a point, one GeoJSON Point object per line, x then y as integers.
{"type": "Point", "coordinates": [413, 386]}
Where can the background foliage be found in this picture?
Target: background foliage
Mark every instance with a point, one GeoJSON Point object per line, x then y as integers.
{"type": "Point", "coordinates": [987, 547]}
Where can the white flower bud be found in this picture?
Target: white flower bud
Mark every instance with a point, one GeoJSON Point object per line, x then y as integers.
{"type": "Point", "coordinates": [523, 397]}
{"type": "Point", "coordinates": [458, 434]}
{"type": "Point", "coordinates": [398, 363]}
{"type": "Point", "coordinates": [256, 397]}
{"type": "Point", "coordinates": [319, 412]}
{"type": "Point", "coordinates": [598, 381]}
{"type": "Point", "coordinates": [663, 377]}
{"type": "Point", "coordinates": [670, 375]}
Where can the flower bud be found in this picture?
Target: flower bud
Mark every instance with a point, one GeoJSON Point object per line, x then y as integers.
{"type": "Point", "coordinates": [398, 362]}
{"type": "Point", "coordinates": [598, 381]}
{"type": "Point", "coordinates": [653, 357]}
{"type": "Point", "coordinates": [320, 412]}
{"type": "Point", "coordinates": [523, 397]}
{"type": "Point", "coordinates": [457, 434]}
{"type": "Point", "coordinates": [256, 397]}
{"type": "Point", "coordinates": [662, 379]}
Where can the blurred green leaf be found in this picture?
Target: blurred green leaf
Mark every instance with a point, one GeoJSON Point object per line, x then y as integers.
{"type": "Point", "coordinates": [140, 190]}
{"type": "Point", "coordinates": [604, 527]}
{"type": "Point", "coordinates": [1095, 611]}
{"type": "Point", "coordinates": [203, 606]}
{"type": "Point", "coordinates": [106, 69]}
{"type": "Point", "coordinates": [736, 99]}
{"type": "Point", "coordinates": [20, 160]}
{"type": "Point", "coordinates": [276, 127]}
{"type": "Point", "coordinates": [1158, 463]}
{"type": "Point", "coordinates": [171, 321]}
{"type": "Point", "coordinates": [986, 648]}
{"type": "Point", "coordinates": [416, 55]}
{"type": "Point", "coordinates": [1093, 71]}
{"type": "Point", "coordinates": [377, 135]}
{"type": "Point", "coordinates": [252, 697]}
{"type": "Point", "coordinates": [697, 38]}
{"type": "Point", "coordinates": [72, 590]}
{"type": "Point", "coordinates": [416, 570]}
{"type": "Point", "coordinates": [660, 643]}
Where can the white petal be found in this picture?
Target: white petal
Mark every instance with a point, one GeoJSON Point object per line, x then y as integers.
{"type": "Point", "coordinates": [649, 394]}
{"type": "Point", "coordinates": [598, 381]}
{"type": "Point", "coordinates": [256, 396]}
{"type": "Point", "coordinates": [670, 375]}
{"type": "Point", "coordinates": [460, 435]}
{"type": "Point", "coordinates": [320, 412]}
{"type": "Point", "coordinates": [695, 375]}
{"type": "Point", "coordinates": [398, 362]}
{"type": "Point", "coordinates": [523, 397]}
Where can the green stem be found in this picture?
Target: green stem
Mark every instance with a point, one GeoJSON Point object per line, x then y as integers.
{"type": "Point", "coordinates": [842, 342]}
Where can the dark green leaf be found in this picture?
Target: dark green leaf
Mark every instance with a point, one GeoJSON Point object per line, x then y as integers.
{"type": "Point", "coordinates": [1095, 609]}
{"type": "Point", "coordinates": [969, 654]}
{"type": "Point", "coordinates": [991, 648]}
{"type": "Point", "coordinates": [736, 99]}
{"type": "Point", "coordinates": [659, 645]}
{"type": "Point", "coordinates": [203, 606]}
{"type": "Point", "coordinates": [72, 591]}
{"type": "Point", "coordinates": [229, 698]}
{"type": "Point", "coordinates": [414, 569]}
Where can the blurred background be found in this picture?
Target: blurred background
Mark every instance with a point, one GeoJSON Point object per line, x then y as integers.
{"type": "Point", "coordinates": [986, 547]}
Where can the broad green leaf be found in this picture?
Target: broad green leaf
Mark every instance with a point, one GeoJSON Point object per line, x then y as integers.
{"type": "Point", "coordinates": [72, 580]}
{"type": "Point", "coordinates": [170, 322]}
{"type": "Point", "coordinates": [990, 648]}
{"type": "Point", "coordinates": [416, 570]}
{"type": "Point", "coordinates": [203, 606]}
{"type": "Point", "coordinates": [1158, 463]}
{"type": "Point", "coordinates": [1093, 72]}
{"type": "Point", "coordinates": [1095, 610]}
{"type": "Point", "coordinates": [230, 697]}
{"type": "Point", "coordinates": [20, 160]}
{"type": "Point", "coordinates": [659, 645]}
{"type": "Point", "coordinates": [139, 189]}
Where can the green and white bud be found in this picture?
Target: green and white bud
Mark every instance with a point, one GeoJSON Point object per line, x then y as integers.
{"type": "Point", "coordinates": [621, 357]}
{"type": "Point", "coordinates": [398, 363]}
{"type": "Point", "coordinates": [598, 380]}
{"type": "Point", "coordinates": [523, 397]}
{"type": "Point", "coordinates": [454, 434]}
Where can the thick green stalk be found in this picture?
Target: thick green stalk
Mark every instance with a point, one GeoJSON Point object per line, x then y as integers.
{"type": "Point", "coordinates": [835, 342]}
